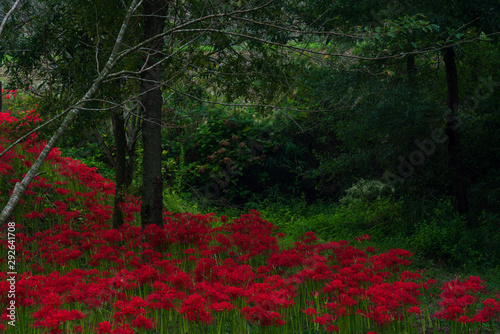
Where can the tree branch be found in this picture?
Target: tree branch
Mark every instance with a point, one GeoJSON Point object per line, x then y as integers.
{"type": "Point", "coordinates": [9, 13]}
{"type": "Point", "coordinates": [33, 131]}
{"type": "Point", "coordinates": [105, 147]}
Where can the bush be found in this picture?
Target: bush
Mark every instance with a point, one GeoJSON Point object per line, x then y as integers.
{"type": "Point", "coordinates": [366, 191]}
{"type": "Point", "coordinates": [232, 159]}
{"type": "Point", "coordinates": [337, 221]}
{"type": "Point", "coordinates": [444, 236]}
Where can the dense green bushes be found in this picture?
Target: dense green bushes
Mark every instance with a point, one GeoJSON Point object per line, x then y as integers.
{"type": "Point", "coordinates": [233, 158]}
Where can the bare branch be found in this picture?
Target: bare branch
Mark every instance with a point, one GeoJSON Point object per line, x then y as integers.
{"type": "Point", "coordinates": [33, 131]}
{"type": "Point", "coordinates": [105, 147]}
{"type": "Point", "coordinates": [302, 32]}
{"type": "Point", "coordinates": [9, 13]}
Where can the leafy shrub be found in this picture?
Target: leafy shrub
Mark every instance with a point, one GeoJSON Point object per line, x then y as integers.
{"type": "Point", "coordinates": [444, 236]}
{"type": "Point", "coordinates": [234, 158]}
{"type": "Point", "coordinates": [366, 191]}
{"type": "Point", "coordinates": [176, 203]}
{"type": "Point", "coordinates": [332, 220]}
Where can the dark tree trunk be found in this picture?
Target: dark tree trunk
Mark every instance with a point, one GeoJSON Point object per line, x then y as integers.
{"type": "Point", "coordinates": [151, 99]}
{"type": "Point", "coordinates": [410, 66]}
{"type": "Point", "coordinates": [104, 147]}
{"type": "Point", "coordinates": [133, 128]}
{"type": "Point", "coordinates": [130, 166]}
{"type": "Point", "coordinates": [120, 165]}
{"type": "Point", "coordinates": [452, 124]}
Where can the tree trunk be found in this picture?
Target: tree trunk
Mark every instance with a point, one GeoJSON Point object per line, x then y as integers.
{"type": "Point", "coordinates": [104, 147]}
{"type": "Point", "coordinates": [411, 69]}
{"type": "Point", "coordinates": [133, 128]}
{"type": "Point", "coordinates": [152, 101]}
{"type": "Point", "coordinates": [452, 124]}
{"type": "Point", "coordinates": [120, 165]}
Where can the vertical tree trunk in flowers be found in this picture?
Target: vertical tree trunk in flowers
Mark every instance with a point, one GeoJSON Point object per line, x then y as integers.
{"type": "Point", "coordinates": [152, 101]}
{"type": "Point", "coordinates": [120, 167]}
{"type": "Point", "coordinates": [452, 124]}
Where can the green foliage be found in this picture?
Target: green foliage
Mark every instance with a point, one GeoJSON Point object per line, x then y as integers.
{"type": "Point", "coordinates": [366, 191]}
{"type": "Point", "coordinates": [233, 158]}
{"type": "Point", "coordinates": [175, 203]}
{"type": "Point", "coordinates": [336, 221]}
{"type": "Point", "coordinates": [443, 235]}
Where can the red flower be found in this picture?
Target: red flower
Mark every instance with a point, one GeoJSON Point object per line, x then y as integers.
{"type": "Point", "coordinates": [362, 238]}
{"type": "Point", "coordinates": [324, 319]}
{"type": "Point", "coordinates": [464, 319]}
{"type": "Point", "coordinates": [125, 329]}
{"type": "Point", "coordinates": [62, 191]}
{"type": "Point", "coordinates": [33, 215]}
{"type": "Point", "coordinates": [194, 309]}
{"type": "Point", "coordinates": [142, 322]}
{"type": "Point", "coordinates": [333, 328]}
{"type": "Point", "coordinates": [310, 311]}
{"type": "Point", "coordinates": [414, 310]}
{"type": "Point", "coordinates": [221, 307]}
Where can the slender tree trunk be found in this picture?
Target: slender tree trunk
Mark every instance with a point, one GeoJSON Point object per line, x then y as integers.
{"type": "Point", "coordinates": [411, 69]}
{"type": "Point", "coordinates": [104, 147]}
{"type": "Point", "coordinates": [130, 165]}
{"type": "Point", "coordinates": [152, 101]}
{"type": "Point", "coordinates": [133, 127]}
{"type": "Point", "coordinates": [120, 166]}
{"type": "Point", "coordinates": [452, 124]}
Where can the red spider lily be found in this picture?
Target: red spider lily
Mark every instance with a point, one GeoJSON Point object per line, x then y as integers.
{"type": "Point", "coordinates": [414, 310]}
{"type": "Point", "coordinates": [310, 311]}
{"type": "Point", "coordinates": [124, 329]}
{"type": "Point", "coordinates": [362, 238]}
{"type": "Point", "coordinates": [310, 237]}
{"type": "Point", "coordinates": [380, 315]}
{"type": "Point", "coordinates": [221, 307]}
{"type": "Point", "coordinates": [261, 317]}
{"type": "Point", "coordinates": [325, 319]}
{"type": "Point", "coordinates": [141, 322]}
{"type": "Point", "coordinates": [62, 191]}
{"type": "Point", "coordinates": [193, 308]}
{"type": "Point", "coordinates": [104, 327]}
{"type": "Point", "coordinates": [126, 310]}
